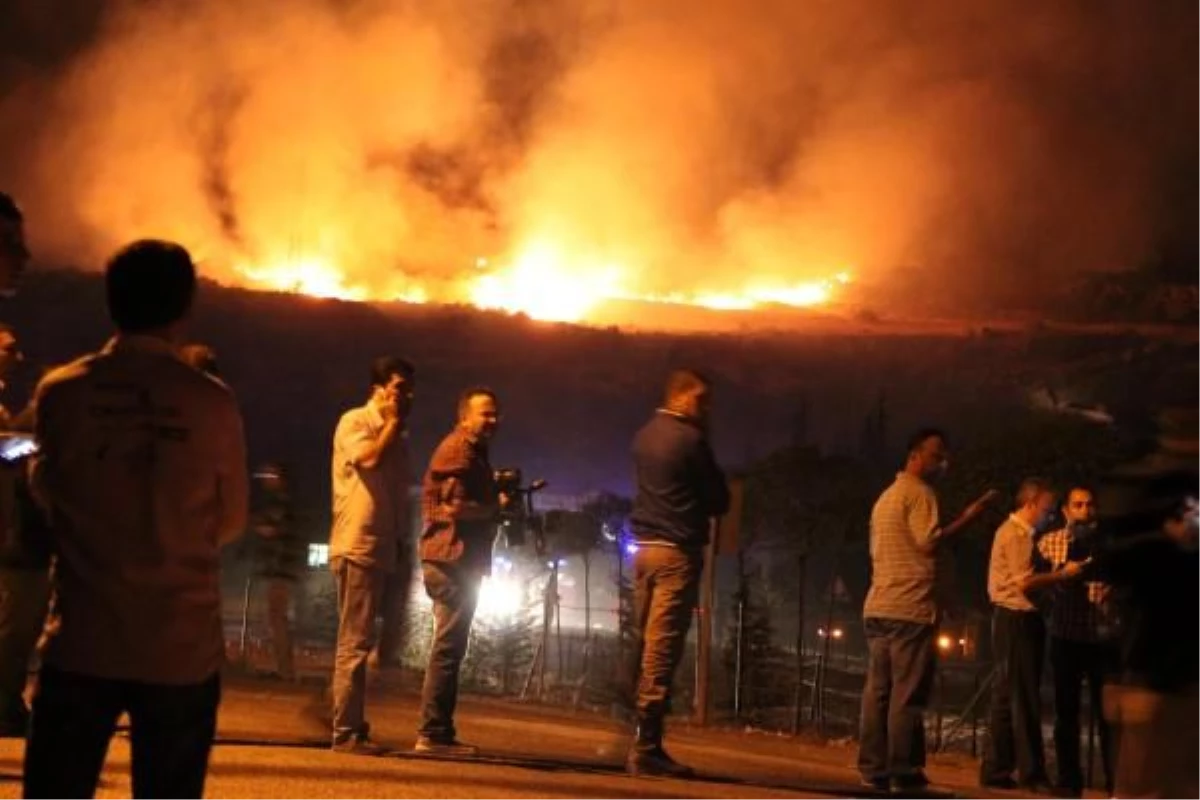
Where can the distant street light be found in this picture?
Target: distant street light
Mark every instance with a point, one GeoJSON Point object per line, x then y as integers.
{"type": "Point", "coordinates": [944, 642]}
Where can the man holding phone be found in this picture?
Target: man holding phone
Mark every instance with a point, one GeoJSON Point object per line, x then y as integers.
{"type": "Point", "coordinates": [901, 615]}
{"type": "Point", "coordinates": [370, 520]}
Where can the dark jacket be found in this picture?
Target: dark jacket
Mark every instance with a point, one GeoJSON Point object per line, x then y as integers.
{"type": "Point", "coordinates": [679, 485]}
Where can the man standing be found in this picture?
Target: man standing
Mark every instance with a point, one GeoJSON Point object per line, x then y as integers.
{"type": "Point", "coordinates": [278, 559]}
{"type": "Point", "coordinates": [900, 616]}
{"type": "Point", "coordinates": [1080, 644]}
{"type": "Point", "coordinates": [370, 517]}
{"type": "Point", "coordinates": [680, 489]}
{"type": "Point", "coordinates": [142, 471]}
{"type": "Point", "coordinates": [460, 507]}
{"type": "Point", "coordinates": [1018, 645]}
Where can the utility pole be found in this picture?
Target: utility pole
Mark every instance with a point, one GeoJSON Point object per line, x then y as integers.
{"type": "Point", "coordinates": [705, 622]}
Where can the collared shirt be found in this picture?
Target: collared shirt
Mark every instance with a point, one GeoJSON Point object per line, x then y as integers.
{"type": "Point", "coordinates": [370, 505]}
{"type": "Point", "coordinates": [459, 472]}
{"type": "Point", "coordinates": [143, 470]}
{"type": "Point", "coordinates": [904, 526]}
{"type": "Point", "coordinates": [1011, 564]}
{"type": "Point", "coordinates": [1079, 610]}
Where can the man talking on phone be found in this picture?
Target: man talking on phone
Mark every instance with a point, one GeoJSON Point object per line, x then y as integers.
{"type": "Point", "coordinates": [901, 615]}
{"type": "Point", "coordinates": [370, 518]}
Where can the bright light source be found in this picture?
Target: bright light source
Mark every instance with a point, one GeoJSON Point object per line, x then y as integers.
{"type": "Point", "coordinates": [630, 549]}
{"type": "Point", "coordinates": [962, 642]}
{"type": "Point", "coordinates": [499, 598]}
{"type": "Point", "coordinates": [318, 555]}
{"type": "Point", "coordinates": [821, 632]}
{"type": "Point", "coordinates": [944, 642]}
{"type": "Point", "coordinates": [837, 633]}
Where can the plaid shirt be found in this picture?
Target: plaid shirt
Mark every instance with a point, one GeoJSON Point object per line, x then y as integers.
{"type": "Point", "coordinates": [904, 562]}
{"type": "Point", "coordinates": [459, 471]}
{"type": "Point", "coordinates": [1079, 610]}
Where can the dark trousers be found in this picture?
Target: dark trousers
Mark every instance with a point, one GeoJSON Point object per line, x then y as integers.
{"type": "Point", "coordinates": [666, 586]}
{"type": "Point", "coordinates": [1072, 662]}
{"type": "Point", "coordinates": [454, 591]}
{"type": "Point", "coordinates": [1015, 736]}
{"type": "Point", "coordinates": [901, 659]}
{"type": "Point", "coordinates": [24, 603]}
{"type": "Point", "coordinates": [75, 716]}
{"type": "Point", "coordinates": [359, 591]}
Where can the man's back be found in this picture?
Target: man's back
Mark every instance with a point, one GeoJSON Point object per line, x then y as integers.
{"type": "Point", "coordinates": [679, 485]}
{"type": "Point", "coordinates": [903, 566]}
{"type": "Point", "coordinates": [143, 467]}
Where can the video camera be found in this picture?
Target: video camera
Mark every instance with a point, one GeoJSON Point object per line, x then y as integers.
{"type": "Point", "coordinates": [518, 519]}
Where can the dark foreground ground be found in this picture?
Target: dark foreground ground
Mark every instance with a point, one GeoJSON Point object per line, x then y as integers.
{"type": "Point", "coordinates": [273, 744]}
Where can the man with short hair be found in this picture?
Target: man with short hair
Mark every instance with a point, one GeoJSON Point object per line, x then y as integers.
{"type": "Point", "coordinates": [142, 471]}
{"type": "Point", "coordinates": [370, 519]}
{"type": "Point", "coordinates": [1080, 641]}
{"type": "Point", "coordinates": [14, 254]}
{"type": "Point", "coordinates": [680, 489]}
{"type": "Point", "coordinates": [1018, 644]}
{"type": "Point", "coordinates": [460, 505]}
{"type": "Point", "coordinates": [900, 616]}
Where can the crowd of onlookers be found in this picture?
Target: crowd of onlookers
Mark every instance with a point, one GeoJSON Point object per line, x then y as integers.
{"type": "Point", "coordinates": [1105, 578]}
{"type": "Point", "coordinates": [128, 473]}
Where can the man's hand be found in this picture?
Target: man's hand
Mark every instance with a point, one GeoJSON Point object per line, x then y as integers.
{"type": "Point", "coordinates": [979, 506]}
{"type": "Point", "coordinates": [390, 409]}
{"type": "Point", "coordinates": [1073, 569]}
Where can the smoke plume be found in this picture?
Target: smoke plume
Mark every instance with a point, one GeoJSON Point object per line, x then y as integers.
{"type": "Point", "coordinates": [702, 147]}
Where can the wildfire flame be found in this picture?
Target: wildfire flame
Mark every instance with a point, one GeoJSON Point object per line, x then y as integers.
{"type": "Point", "coordinates": [542, 282]}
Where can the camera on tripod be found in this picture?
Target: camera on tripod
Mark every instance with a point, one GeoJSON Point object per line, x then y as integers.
{"type": "Point", "coordinates": [518, 520]}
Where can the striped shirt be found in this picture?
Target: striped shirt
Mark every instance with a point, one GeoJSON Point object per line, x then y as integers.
{"type": "Point", "coordinates": [1011, 564]}
{"type": "Point", "coordinates": [904, 529]}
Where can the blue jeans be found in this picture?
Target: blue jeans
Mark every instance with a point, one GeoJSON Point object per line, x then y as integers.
{"type": "Point", "coordinates": [901, 657]}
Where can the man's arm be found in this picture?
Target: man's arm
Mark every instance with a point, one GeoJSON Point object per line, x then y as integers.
{"type": "Point", "coordinates": [364, 449]}
{"type": "Point", "coordinates": [233, 480]}
{"type": "Point", "coordinates": [449, 466]}
{"type": "Point", "coordinates": [1033, 581]}
{"type": "Point", "coordinates": [969, 514]}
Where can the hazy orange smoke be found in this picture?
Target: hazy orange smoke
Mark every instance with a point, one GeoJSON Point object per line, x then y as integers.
{"type": "Point", "coordinates": [543, 155]}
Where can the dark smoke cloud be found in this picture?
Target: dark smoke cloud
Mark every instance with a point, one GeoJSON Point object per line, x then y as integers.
{"type": "Point", "coordinates": [705, 147]}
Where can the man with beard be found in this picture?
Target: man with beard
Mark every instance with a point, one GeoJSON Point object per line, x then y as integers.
{"type": "Point", "coordinates": [460, 508]}
{"type": "Point", "coordinates": [1080, 646]}
{"type": "Point", "coordinates": [1019, 644]}
{"type": "Point", "coordinates": [370, 518]}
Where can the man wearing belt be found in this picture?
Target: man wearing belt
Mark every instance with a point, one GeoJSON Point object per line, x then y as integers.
{"type": "Point", "coordinates": [1018, 645]}
{"type": "Point", "coordinates": [370, 516]}
{"type": "Point", "coordinates": [680, 489]}
{"type": "Point", "coordinates": [460, 507]}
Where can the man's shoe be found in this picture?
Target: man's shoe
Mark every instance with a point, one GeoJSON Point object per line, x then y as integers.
{"type": "Point", "coordinates": [1042, 788]}
{"type": "Point", "coordinates": [913, 782]}
{"type": "Point", "coordinates": [436, 747]}
{"type": "Point", "coordinates": [875, 784]}
{"type": "Point", "coordinates": [1006, 784]}
{"type": "Point", "coordinates": [359, 745]}
{"type": "Point", "coordinates": [656, 762]}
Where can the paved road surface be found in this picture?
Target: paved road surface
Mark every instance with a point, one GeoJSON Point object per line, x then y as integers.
{"type": "Point", "coordinates": [274, 745]}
